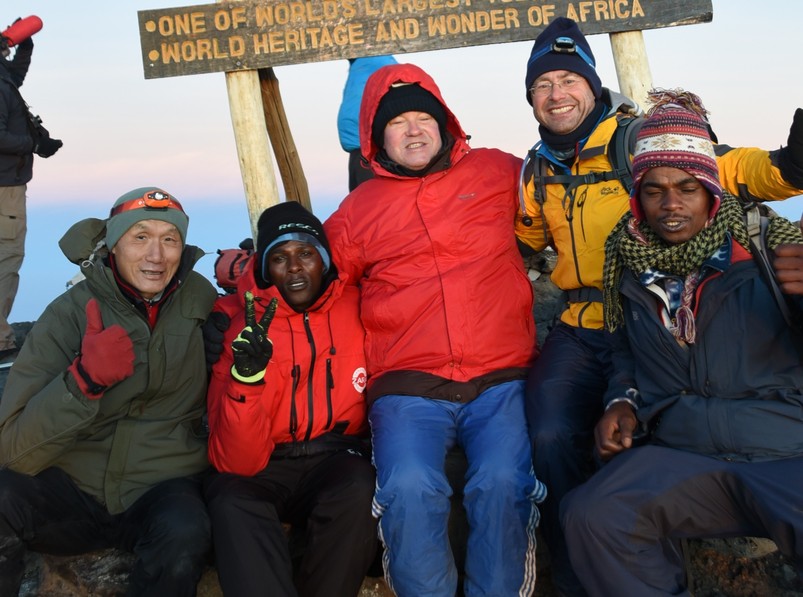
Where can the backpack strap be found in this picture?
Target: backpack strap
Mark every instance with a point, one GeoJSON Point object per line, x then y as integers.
{"type": "Point", "coordinates": [756, 218]}
{"type": "Point", "coordinates": [532, 162]}
{"type": "Point", "coordinates": [621, 147]}
{"type": "Point", "coordinates": [585, 294]}
{"type": "Point", "coordinates": [535, 169]}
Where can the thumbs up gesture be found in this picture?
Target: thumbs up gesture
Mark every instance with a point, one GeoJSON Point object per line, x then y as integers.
{"type": "Point", "coordinates": [107, 355]}
{"type": "Point", "coordinates": [252, 348]}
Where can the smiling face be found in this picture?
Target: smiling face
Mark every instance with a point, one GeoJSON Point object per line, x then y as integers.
{"type": "Point", "coordinates": [675, 204]}
{"type": "Point", "coordinates": [296, 268]}
{"type": "Point", "coordinates": [563, 102]}
{"type": "Point", "coordinates": [412, 139]}
{"type": "Point", "coordinates": [148, 255]}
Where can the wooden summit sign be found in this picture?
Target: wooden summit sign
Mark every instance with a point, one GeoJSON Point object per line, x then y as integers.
{"type": "Point", "coordinates": [254, 34]}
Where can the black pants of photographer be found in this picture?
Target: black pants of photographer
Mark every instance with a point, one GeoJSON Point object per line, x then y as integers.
{"type": "Point", "coordinates": [326, 496]}
{"type": "Point", "coordinates": [167, 529]}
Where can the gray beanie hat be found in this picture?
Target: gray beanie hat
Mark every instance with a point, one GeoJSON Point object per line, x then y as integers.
{"type": "Point", "coordinates": [144, 203]}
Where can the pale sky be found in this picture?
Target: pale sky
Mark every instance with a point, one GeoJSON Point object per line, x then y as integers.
{"type": "Point", "coordinates": [121, 131]}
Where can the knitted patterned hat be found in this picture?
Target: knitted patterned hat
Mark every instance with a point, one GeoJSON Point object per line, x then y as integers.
{"type": "Point", "coordinates": [144, 203]}
{"type": "Point", "coordinates": [562, 46]}
{"type": "Point", "coordinates": [675, 134]}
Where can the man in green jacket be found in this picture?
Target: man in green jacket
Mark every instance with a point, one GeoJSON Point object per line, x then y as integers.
{"type": "Point", "coordinates": [100, 421]}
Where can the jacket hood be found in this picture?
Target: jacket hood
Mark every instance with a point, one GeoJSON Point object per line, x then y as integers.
{"type": "Point", "coordinates": [620, 103]}
{"type": "Point", "coordinates": [84, 240]}
{"type": "Point", "coordinates": [378, 85]}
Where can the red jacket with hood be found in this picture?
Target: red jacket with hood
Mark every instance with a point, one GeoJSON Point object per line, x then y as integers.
{"type": "Point", "coordinates": [443, 286]}
{"type": "Point", "coordinates": [315, 379]}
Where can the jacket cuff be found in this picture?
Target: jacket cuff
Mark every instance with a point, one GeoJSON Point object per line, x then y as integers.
{"type": "Point", "coordinates": [79, 383]}
{"type": "Point", "coordinates": [791, 172]}
{"type": "Point", "coordinates": [257, 378]}
{"type": "Point", "coordinates": [631, 396]}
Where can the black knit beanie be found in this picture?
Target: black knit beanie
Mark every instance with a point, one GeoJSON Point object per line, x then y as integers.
{"type": "Point", "coordinates": [289, 221]}
{"type": "Point", "coordinates": [562, 46]}
{"type": "Point", "coordinates": [405, 97]}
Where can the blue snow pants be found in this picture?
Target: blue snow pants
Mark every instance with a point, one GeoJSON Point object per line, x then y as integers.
{"type": "Point", "coordinates": [411, 436]}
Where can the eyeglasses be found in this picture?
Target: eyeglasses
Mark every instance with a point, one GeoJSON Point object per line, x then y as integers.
{"type": "Point", "coordinates": [150, 200]}
{"type": "Point", "coordinates": [544, 88]}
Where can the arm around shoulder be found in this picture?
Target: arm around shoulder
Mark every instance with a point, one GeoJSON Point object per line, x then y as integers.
{"type": "Point", "coordinates": [767, 175]}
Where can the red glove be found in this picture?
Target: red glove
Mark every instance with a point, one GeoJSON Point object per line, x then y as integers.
{"type": "Point", "coordinates": [107, 355]}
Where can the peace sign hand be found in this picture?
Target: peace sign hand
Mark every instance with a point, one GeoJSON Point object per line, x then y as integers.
{"type": "Point", "coordinates": [252, 348]}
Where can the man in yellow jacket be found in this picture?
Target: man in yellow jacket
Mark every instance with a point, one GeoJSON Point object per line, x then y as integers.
{"type": "Point", "coordinates": [573, 197]}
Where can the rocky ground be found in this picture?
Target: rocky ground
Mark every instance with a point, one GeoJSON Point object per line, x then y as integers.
{"type": "Point", "coordinates": [744, 567]}
{"type": "Point", "coordinates": [737, 568]}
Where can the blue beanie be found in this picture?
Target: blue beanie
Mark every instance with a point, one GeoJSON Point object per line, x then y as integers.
{"type": "Point", "coordinates": [562, 46]}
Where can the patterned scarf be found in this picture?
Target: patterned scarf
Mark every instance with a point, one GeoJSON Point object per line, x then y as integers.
{"type": "Point", "coordinates": [635, 246]}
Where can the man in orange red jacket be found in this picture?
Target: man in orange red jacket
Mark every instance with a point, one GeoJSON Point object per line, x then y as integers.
{"type": "Point", "coordinates": [287, 420]}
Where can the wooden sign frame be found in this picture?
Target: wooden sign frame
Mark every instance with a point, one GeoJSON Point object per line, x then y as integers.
{"type": "Point", "coordinates": [254, 34]}
{"type": "Point", "coordinates": [247, 38]}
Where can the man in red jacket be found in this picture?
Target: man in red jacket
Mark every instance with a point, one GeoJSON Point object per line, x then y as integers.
{"type": "Point", "coordinates": [447, 309]}
{"type": "Point", "coordinates": [287, 421]}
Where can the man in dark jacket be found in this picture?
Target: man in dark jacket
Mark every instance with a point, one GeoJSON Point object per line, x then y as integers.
{"type": "Point", "coordinates": [101, 416]}
{"type": "Point", "coordinates": [707, 373]}
{"type": "Point", "coordinates": [20, 138]}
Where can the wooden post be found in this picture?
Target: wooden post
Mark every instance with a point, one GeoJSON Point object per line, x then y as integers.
{"type": "Point", "coordinates": [251, 138]}
{"type": "Point", "coordinates": [284, 148]}
{"type": "Point", "coordinates": [632, 67]}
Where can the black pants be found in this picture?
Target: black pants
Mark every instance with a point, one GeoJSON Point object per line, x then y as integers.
{"type": "Point", "coordinates": [564, 403]}
{"type": "Point", "coordinates": [167, 529]}
{"type": "Point", "coordinates": [328, 495]}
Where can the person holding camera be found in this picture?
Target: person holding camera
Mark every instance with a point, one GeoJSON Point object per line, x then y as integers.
{"type": "Point", "coordinates": [21, 136]}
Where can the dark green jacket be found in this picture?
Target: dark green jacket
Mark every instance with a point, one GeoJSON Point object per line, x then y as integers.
{"type": "Point", "coordinates": [144, 429]}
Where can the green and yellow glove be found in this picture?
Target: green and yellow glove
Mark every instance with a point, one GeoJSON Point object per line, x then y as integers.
{"type": "Point", "coordinates": [252, 348]}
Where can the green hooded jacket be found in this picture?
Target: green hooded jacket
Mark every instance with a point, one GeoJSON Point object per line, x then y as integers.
{"type": "Point", "coordinates": [143, 430]}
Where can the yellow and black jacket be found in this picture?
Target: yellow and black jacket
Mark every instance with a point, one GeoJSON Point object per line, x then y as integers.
{"type": "Point", "coordinates": [575, 219]}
